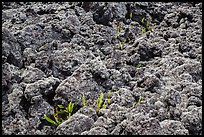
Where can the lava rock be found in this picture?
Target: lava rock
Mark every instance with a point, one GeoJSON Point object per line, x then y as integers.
{"type": "Point", "coordinates": [77, 124]}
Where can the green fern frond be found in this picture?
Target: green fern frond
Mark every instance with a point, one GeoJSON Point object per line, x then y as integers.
{"type": "Point", "coordinates": [99, 102]}
{"type": "Point", "coordinates": [119, 28]}
{"type": "Point", "coordinates": [116, 36]}
{"type": "Point", "coordinates": [69, 109]}
{"type": "Point", "coordinates": [49, 120]}
{"type": "Point", "coordinates": [139, 101]}
{"type": "Point", "coordinates": [109, 101]}
{"type": "Point", "coordinates": [120, 44]}
{"type": "Point", "coordinates": [60, 106]}
{"type": "Point", "coordinates": [143, 20]}
{"type": "Point", "coordinates": [84, 103]}
{"type": "Point", "coordinates": [61, 120]}
{"type": "Point", "coordinates": [149, 28]}
{"type": "Point", "coordinates": [125, 39]}
{"type": "Point", "coordinates": [109, 94]}
{"type": "Point", "coordinates": [71, 106]}
{"type": "Point", "coordinates": [143, 30]}
{"type": "Point", "coordinates": [133, 105]}
{"type": "Point", "coordinates": [56, 119]}
{"type": "Point", "coordinates": [130, 15]}
{"type": "Point", "coordinates": [69, 115]}
{"type": "Point", "coordinates": [138, 66]}
{"type": "Point", "coordinates": [104, 105]}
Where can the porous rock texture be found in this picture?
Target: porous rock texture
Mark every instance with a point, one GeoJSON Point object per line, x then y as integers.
{"type": "Point", "coordinates": [57, 52]}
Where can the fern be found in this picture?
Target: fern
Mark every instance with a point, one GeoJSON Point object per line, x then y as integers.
{"type": "Point", "coordinates": [138, 66]}
{"type": "Point", "coordinates": [104, 105]}
{"type": "Point", "coordinates": [56, 118]}
{"type": "Point", "coordinates": [116, 36]}
{"type": "Point", "coordinates": [130, 15]}
{"type": "Point", "coordinates": [99, 102]}
{"type": "Point", "coordinates": [108, 94]}
{"type": "Point", "coordinates": [50, 120]}
{"type": "Point", "coordinates": [125, 40]}
{"type": "Point", "coordinates": [60, 110]}
{"type": "Point", "coordinates": [120, 44]}
{"type": "Point", "coordinates": [109, 101]}
{"type": "Point", "coordinates": [143, 30]}
{"type": "Point", "coordinates": [119, 27]}
{"type": "Point", "coordinates": [56, 115]}
{"type": "Point", "coordinates": [69, 109]}
{"type": "Point", "coordinates": [139, 101]}
{"type": "Point", "coordinates": [148, 24]}
{"type": "Point", "coordinates": [84, 103]}
{"type": "Point", "coordinates": [133, 105]}
{"type": "Point", "coordinates": [143, 20]}
{"type": "Point", "coordinates": [60, 106]}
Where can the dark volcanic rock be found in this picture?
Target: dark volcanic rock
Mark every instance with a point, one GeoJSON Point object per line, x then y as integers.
{"type": "Point", "coordinates": [77, 124]}
{"type": "Point", "coordinates": [145, 57]}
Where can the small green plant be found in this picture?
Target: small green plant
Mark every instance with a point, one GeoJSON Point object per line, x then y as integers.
{"type": "Point", "coordinates": [84, 102]}
{"type": "Point", "coordinates": [99, 102]}
{"type": "Point", "coordinates": [116, 36]}
{"type": "Point", "coordinates": [57, 119]}
{"type": "Point", "coordinates": [50, 120]}
{"type": "Point", "coordinates": [146, 23]}
{"type": "Point", "coordinates": [120, 44]}
{"type": "Point", "coordinates": [138, 66]}
{"type": "Point", "coordinates": [60, 106]}
{"type": "Point", "coordinates": [109, 96]}
{"type": "Point", "coordinates": [139, 101]}
{"type": "Point", "coordinates": [109, 101]}
{"type": "Point", "coordinates": [124, 39]}
{"type": "Point", "coordinates": [133, 105]}
{"type": "Point", "coordinates": [119, 27]}
{"type": "Point", "coordinates": [69, 109]}
{"type": "Point", "coordinates": [130, 15]}
{"type": "Point", "coordinates": [143, 30]}
{"type": "Point", "coordinates": [59, 112]}
{"type": "Point", "coordinates": [104, 105]}
{"type": "Point", "coordinates": [143, 20]}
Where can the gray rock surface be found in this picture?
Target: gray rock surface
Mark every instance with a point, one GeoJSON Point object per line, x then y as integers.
{"type": "Point", "coordinates": [56, 52]}
{"type": "Point", "coordinates": [96, 131]}
{"type": "Point", "coordinates": [77, 124]}
{"type": "Point", "coordinates": [172, 127]}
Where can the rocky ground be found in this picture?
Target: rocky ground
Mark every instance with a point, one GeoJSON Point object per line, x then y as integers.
{"type": "Point", "coordinates": [146, 55]}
